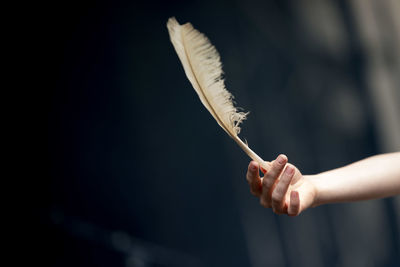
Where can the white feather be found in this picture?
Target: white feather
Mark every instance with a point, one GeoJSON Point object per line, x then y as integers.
{"type": "Point", "coordinates": [203, 68]}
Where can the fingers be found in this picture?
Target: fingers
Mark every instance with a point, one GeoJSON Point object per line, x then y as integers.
{"type": "Point", "coordinates": [279, 192]}
{"type": "Point", "coordinates": [294, 206]}
{"type": "Point", "coordinates": [253, 178]}
{"type": "Point", "coordinates": [267, 166]}
{"type": "Point", "coordinates": [273, 187]}
{"type": "Point", "coordinates": [270, 178]}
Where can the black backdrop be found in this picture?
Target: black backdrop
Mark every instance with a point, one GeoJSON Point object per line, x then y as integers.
{"type": "Point", "coordinates": [141, 175]}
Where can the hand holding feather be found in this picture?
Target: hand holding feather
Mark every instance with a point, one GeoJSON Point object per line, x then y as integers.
{"type": "Point", "coordinates": [203, 68]}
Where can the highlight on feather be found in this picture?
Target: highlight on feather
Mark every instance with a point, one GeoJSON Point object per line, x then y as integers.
{"type": "Point", "coordinates": [202, 65]}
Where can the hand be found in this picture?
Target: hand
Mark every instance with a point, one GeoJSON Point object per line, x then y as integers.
{"type": "Point", "coordinates": [284, 189]}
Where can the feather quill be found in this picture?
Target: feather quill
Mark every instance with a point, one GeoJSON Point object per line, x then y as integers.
{"type": "Point", "coordinates": [202, 65]}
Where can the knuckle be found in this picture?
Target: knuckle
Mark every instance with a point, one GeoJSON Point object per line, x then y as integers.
{"type": "Point", "coordinates": [276, 164]}
{"type": "Point", "coordinates": [278, 191]}
{"type": "Point", "coordinates": [274, 173]}
{"type": "Point", "coordinates": [249, 171]}
{"type": "Point", "coordinates": [248, 178]}
{"type": "Point", "coordinates": [276, 197]}
{"type": "Point", "coordinates": [251, 168]}
{"type": "Point", "coordinates": [253, 192]}
{"type": "Point", "coordinates": [278, 210]}
{"type": "Point", "coordinates": [264, 203]}
{"type": "Point", "coordinates": [295, 205]}
{"type": "Point", "coordinates": [266, 183]}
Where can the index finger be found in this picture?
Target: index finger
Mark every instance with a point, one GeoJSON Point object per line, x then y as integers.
{"type": "Point", "coordinates": [253, 178]}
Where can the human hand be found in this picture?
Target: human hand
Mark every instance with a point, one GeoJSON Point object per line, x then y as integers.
{"type": "Point", "coordinates": [284, 189]}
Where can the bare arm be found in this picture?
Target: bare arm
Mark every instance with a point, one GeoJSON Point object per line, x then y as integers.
{"type": "Point", "coordinates": [284, 189]}
{"type": "Point", "coordinates": [374, 177]}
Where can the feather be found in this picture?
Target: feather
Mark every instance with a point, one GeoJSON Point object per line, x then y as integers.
{"type": "Point", "coordinates": [202, 65]}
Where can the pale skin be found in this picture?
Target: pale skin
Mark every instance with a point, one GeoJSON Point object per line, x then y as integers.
{"type": "Point", "coordinates": [284, 189]}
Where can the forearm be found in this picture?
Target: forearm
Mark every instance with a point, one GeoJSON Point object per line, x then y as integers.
{"type": "Point", "coordinates": [374, 177]}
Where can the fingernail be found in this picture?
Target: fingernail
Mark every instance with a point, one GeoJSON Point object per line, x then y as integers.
{"type": "Point", "coordinates": [289, 169]}
{"type": "Point", "coordinates": [263, 170]}
{"type": "Point", "coordinates": [253, 168]}
{"type": "Point", "coordinates": [281, 159]}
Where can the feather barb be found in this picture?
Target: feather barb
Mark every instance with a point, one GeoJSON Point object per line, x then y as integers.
{"type": "Point", "coordinates": [202, 65]}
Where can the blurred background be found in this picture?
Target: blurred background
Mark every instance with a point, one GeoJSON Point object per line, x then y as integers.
{"type": "Point", "coordinates": [139, 173]}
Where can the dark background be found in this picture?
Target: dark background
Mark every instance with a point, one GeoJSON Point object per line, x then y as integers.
{"type": "Point", "coordinates": [139, 174]}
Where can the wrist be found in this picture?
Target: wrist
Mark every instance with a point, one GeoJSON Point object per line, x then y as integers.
{"type": "Point", "coordinates": [315, 181]}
